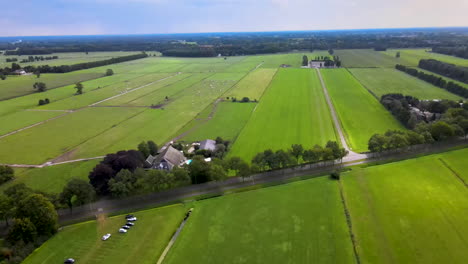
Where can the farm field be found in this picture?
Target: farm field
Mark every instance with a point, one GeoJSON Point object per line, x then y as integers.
{"type": "Point", "coordinates": [22, 119]}
{"type": "Point", "coordinates": [143, 243]}
{"type": "Point", "coordinates": [456, 161]}
{"type": "Point", "coordinates": [56, 137]}
{"type": "Point", "coordinates": [14, 86]}
{"type": "Point", "coordinates": [253, 85]}
{"type": "Point", "coordinates": [412, 211]}
{"type": "Point", "coordinates": [382, 81]}
{"type": "Point", "coordinates": [227, 121]}
{"type": "Point", "coordinates": [51, 179]}
{"type": "Point", "coordinates": [411, 57]}
{"type": "Point", "coordinates": [361, 114]}
{"type": "Point", "coordinates": [365, 58]}
{"type": "Point", "coordinates": [292, 110]}
{"type": "Point", "coordinates": [66, 58]}
{"type": "Point", "coordinates": [300, 222]}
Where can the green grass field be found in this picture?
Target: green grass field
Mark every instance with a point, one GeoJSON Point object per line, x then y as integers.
{"type": "Point", "coordinates": [456, 161]}
{"type": "Point", "coordinates": [361, 114]}
{"type": "Point", "coordinates": [22, 119]}
{"type": "Point", "coordinates": [253, 85]}
{"type": "Point", "coordinates": [413, 211]}
{"type": "Point", "coordinates": [143, 243]}
{"type": "Point", "coordinates": [292, 110]}
{"type": "Point", "coordinates": [411, 57]}
{"type": "Point", "coordinates": [301, 222]}
{"type": "Point", "coordinates": [366, 58]}
{"type": "Point", "coordinates": [385, 80]}
{"type": "Point", "coordinates": [66, 58]}
{"type": "Point", "coordinates": [50, 140]}
{"type": "Point", "coordinates": [227, 121]}
{"type": "Point", "coordinates": [51, 179]}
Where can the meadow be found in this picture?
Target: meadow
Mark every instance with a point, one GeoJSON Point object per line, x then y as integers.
{"type": "Point", "coordinates": [361, 114]}
{"type": "Point", "coordinates": [253, 85]}
{"type": "Point", "coordinates": [365, 58]}
{"type": "Point", "coordinates": [65, 58]}
{"type": "Point", "coordinates": [382, 81]}
{"type": "Point", "coordinates": [411, 57]}
{"type": "Point", "coordinates": [51, 179]}
{"type": "Point", "coordinates": [292, 110]}
{"type": "Point", "coordinates": [301, 222]}
{"type": "Point", "coordinates": [143, 243]}
{"type": "Point", "coordinates": [227, 121]}
{"type": "Point", "coordinates": [412, 211]}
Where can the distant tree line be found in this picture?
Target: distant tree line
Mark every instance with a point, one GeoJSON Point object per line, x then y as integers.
{"type": "Point", "coordinates": [450, 70]}
{"type": "Point", "coordinates": [450, 86]}
{"type": "Point", "coordinates": [38, 58]}
{"type": "Point", "coordinates": [73, 67]}
{"type": "Point", "coordinates": [11, 60]}
{"type": "Point", "coordinates": [461, 52]}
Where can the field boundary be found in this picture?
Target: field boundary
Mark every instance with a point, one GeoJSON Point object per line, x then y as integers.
{"type": "Point", "coordinates": [453, 172]}
{"type": "Point", "coordinates": [173, 240]}
{"type": "Point", "coordinates": [349, 223]}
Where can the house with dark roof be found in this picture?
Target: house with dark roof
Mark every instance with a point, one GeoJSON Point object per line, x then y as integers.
{"type": "Point", "coordinates": [167, 159]}
{"type": "Point", "coordinates": [208, 144]}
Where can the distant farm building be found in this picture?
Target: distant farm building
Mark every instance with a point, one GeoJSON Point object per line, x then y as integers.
{"type": "Point", "coordinates": [20, 72]}
{"type": "Point", "coordinates": [167, 159]}
{"type": "Point", "coordinates": [316, 64]}
{"type": "Point", "coordinates": [208, 144]}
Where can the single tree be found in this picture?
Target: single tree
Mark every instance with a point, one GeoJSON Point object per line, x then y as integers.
{"type": "Point", "coordinates": [305, 60]}
{"type": "Point", "coordinates": [40, 86]}
{"type": "Point", "coordinates": [109, 72]}
{"type": "Point", "coordinates": [397, 55]}
{"type": "Point", "coordinates": [38, 74]}
{"type": "Point", "coordinates": [41, 212]}
{"type": "Point", "coordinates": [79, 88]}
{"type": "Point", "coordinates": [297, 150]}
{"type": "Point", "coordinates": [6, 173]}
{"type": "Point", "coordinates": [77, 192]}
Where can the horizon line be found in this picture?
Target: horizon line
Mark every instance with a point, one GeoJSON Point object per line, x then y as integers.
{"type": "Point", "coordinates": [240, 32]}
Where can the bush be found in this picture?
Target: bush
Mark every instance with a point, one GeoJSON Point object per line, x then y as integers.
{"type": "Point", "coordinates": [335, 175]}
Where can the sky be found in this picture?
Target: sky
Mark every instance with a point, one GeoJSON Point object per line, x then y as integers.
{"type": "Point", "coordinates": [95, 17]}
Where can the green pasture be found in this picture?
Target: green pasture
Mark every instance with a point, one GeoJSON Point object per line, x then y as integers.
{"type": "Point", "coordinates": [361, 114]}
{"type": "Point", "coordinates": [413, 211]}
{"type": "Point", "coordinates": [159, 125]}
{"type": "Point", "coordinates": [411, 57]}
{"type": "Point", "coordinates": [365, 58]}
{"type": "Point", "coordinates": [292, 110]}
{"type": "Point", "coordinates": [382, 81]}
{"type": "Point", "coordinates": [18, 120]}
{"type": "Point", "coordinates": [143, 243]}
{"type": "Point", "coordinates": [14, 86]}
{"type": "Point", "coordinates": [49, 140]}
{"type": "Point", "coordinates": [227, 121]}
{"type": "Point", "coordinates": [66, 58]}
{"type": "Point", "coordinates": [457, 162]}
{"type": "Point", "coordinates": [253, 85]}
{"type": "Point", "coordinates": [52, 179]}
{"type": "Point", "coordinates": [301, 222]}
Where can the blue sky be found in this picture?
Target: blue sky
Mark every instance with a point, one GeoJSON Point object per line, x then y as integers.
{"type": "Point", "coordinates": [82, 17]}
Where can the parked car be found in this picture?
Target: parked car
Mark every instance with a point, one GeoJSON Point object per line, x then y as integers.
{"type": "Point", "coordinates": [129, 216]}
{"type": "Point", "coordinates": [130, 224]}
{"type": "Point", "coordinates": [132, 219]}
{"type": "Point", "coordinates": [121, 230]}
{"type": "Point", "coordinates": [126, 227]}
{"type": "Point", "coordinates": [69, 261]}
{"type": "Point", "coordinates": [105, 237]}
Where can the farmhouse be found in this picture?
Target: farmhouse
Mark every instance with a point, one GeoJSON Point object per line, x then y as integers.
{"type": "Point", "coordinates": [167, 159]}
{"type": "Point", "coordinates": [316, 64]}
{"type": "Point", "coordinates": [20, 72]}
{"type": "Point", "coordinates": [208, 144]}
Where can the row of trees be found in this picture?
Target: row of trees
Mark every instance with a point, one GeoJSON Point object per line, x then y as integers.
{"type": "Point", "coordinates": [461, 52]}
{"type": "Point", "coordinates": [435, 80]}
{"type": "Point", "coordinates": [270, 160]}
{"type": "Point", "coordinates": [38, 58]}
{"type": "Point", "coordinates": [394, 139]}
{"type": "Point", "coordinates": [73, 67]}
{"type": "Point", "coordinates": [450, 70]}
{"type": "Point", "coordinates": [34, 221]}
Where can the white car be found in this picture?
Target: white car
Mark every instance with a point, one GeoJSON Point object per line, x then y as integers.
{"type": "Point", "coordinates": [132, 219]}
{"type": "Point", "coordinates": [121, 230]}
{"type": "Point", "coordinates": [105, 237]}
